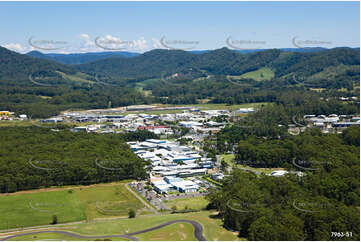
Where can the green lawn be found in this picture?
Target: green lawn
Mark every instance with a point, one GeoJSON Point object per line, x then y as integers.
{"type": "Point", "coordinates": [84, 202]}
{"type": "Point", "coordinates": [213, 229]}
{"type": "Point", "coordinates": [55, 236]}
{"type": "Point", "coordinates": [32, 209]}
{"type": "Point", "coordinates": [212, 226]}
{"type": "Point", "coordinates": [107, 200]}
{"type": "Point", "coordinates": [262, 74]}
{"type": "Point", "coordinates": [192, 203]}
{"type": "Point", "coordinates": [173, 232]}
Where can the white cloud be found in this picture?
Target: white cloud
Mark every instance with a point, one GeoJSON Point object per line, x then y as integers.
{"type": "Point", "coordinates": [85, 43]}
{"type": "Point", "coordinates": [157, 44]}
{"type": "Point", "coordinates": [16, 47]}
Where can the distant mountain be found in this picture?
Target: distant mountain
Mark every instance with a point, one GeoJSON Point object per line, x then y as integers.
{"type": "Point", "coordinates": [223, 62]}
{"type": "Point", "coordinates": [245, 51]}
{"type": "Point", "coordinates": [19, 66]}
{"type": "Point", "coordinates": [81, 58]}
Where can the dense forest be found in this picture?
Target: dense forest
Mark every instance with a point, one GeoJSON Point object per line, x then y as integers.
{"type": "Point", "coordinates": [268, 126]}
{"type": "Point", "coordinates": [33, 157]}
{"type": "Point", "coordinates": [41, 87]}
{"type": "Point", "coordinates": [323, 200]}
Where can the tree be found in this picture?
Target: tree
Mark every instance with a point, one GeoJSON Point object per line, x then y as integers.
{"type": "Point", "coordinates": [55, 219]}
{"type": "Point", "coordinates": [131, 213]}
{"type": "Point", "coordinates": [224, 165]}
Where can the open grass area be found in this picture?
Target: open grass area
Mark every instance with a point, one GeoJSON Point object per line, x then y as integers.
{"type": "Point", "coordinates": [71, 203]}
{"type": "Point", "coordinates": [191, 202]}
{"type": "Point", "coordinates": [173, 232]}
{"type": "Point", "coordinates": [24, 210]}
{"type": "Point", "coordinates": [17, 123]}
{"type": "Point", "coordinates": [107, 200]}
{"type": "Point", "coordinates": [262, 74]}
{"type": "Point", "coordinates": [77, 77]}
{"type": "Point", "coordinates": [55, 236]}
{"type": "Point", "coordinates": [212, 227]}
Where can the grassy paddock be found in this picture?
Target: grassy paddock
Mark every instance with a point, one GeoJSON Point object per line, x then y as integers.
{"type": "Point", "coordinates": [107, 200]}
{"type": "Point", "coordinates": [32, 209]}
{"type": "Point", "coordinates": [173, 232]}
{"type": "Point", "coordinates": [212, 226]}
{"type": "Point", "coordinates": [192, 203]}
{"type": "Point", "coordinates": [71, 203]}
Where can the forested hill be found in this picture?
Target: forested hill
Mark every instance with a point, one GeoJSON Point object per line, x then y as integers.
{"type": "Point", "coordinates": [81, 58]}
{"type": "Point", "coordinates": [15, 66]}
{"type": "Point", "coordinates": [223, 62]}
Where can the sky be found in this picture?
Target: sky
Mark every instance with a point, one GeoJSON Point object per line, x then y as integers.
{"type": "Point", "coordinates": [77, 27]}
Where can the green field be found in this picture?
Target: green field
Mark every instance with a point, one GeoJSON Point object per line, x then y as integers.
{"type": "Point", "coordinates": [55, 236]}
{"type": "Point", "coordinates": [173, 232]}
{"type": "Point", "coordinates": [262, 74]}
{"type": "Point", "coordinates": [192, 203]}
{"type": "Point", "coordinates": [77, 77]}
{"type": "Point", "coordinates": [105, 201]}
{"type": "Point", "coordinates": [75, 204]}
{"type": "Point", "coordinates": [212, 227]}
{"type": "Point", "coordinates": [31, 209]}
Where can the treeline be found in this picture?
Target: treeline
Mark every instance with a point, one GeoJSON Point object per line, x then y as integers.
{"type": "Point", "coordinates": [34, 157]}
{"type": "Point", "coordinates": [43, 101]}
{"type": "Point", "coordinates": [222, 62]}
{"type": "Point", "coordinates": [312, 206]}
{"type": "Point", "coordinates": [271, 121]}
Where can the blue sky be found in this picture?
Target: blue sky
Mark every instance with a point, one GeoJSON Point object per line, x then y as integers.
{"type": "Point", "coordinates": [69, 27]}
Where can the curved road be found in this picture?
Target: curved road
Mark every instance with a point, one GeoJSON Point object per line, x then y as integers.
{"type": "Point", "coordinates": [198, 232]}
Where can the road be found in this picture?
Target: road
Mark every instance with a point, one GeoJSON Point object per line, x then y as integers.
{"type": "Point", "coordinates": [141, 199]}
{"type": "Point", "coordinates": [198, 232]}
